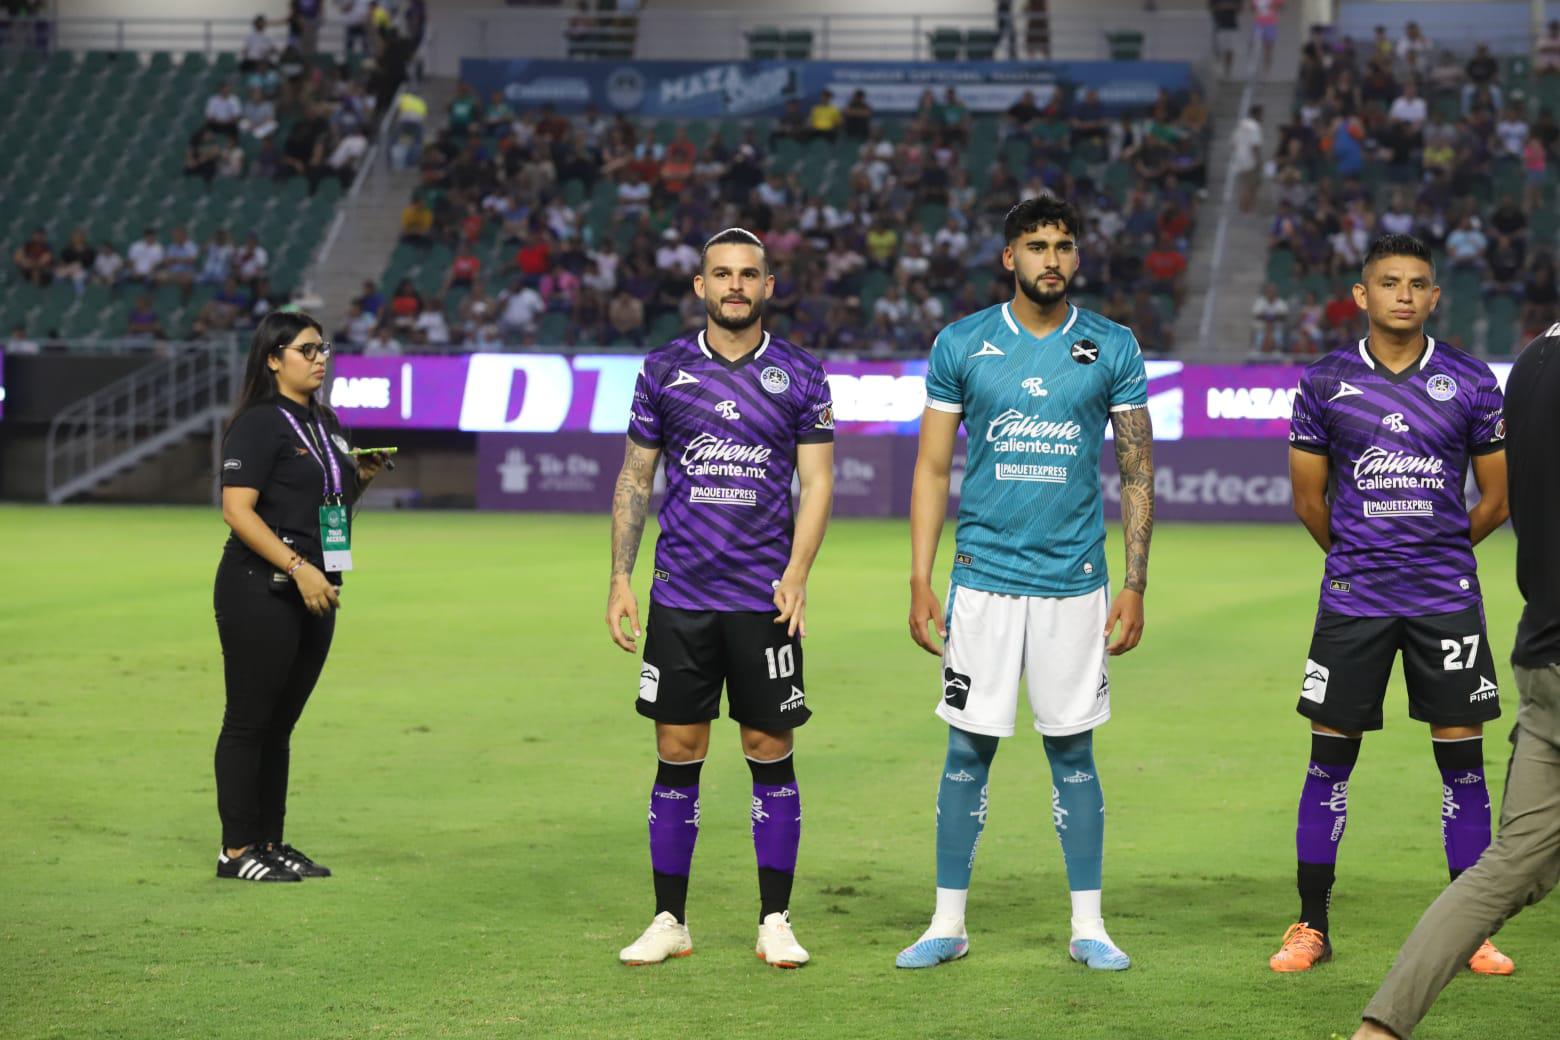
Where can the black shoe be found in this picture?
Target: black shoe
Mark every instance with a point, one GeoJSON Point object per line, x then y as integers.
{"type": "Point", "coordinates": [254, 865]}
{"type": "Point", "coordinates": [297, 862]}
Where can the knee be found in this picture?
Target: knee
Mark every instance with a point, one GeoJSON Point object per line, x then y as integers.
{"type": "Point", "coordinates": [1072, 752]}
{"type": "Point", "coordinates": [762, 746]}
{"type": "Point", "coordinates": [968, 750]}
{"type": "Point", "coordinates": [682, 744]}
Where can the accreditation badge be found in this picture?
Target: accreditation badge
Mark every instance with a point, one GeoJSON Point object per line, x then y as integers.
{"type": "Point", "coordinates": [336, 537]}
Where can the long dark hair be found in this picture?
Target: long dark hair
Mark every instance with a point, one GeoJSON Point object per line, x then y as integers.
{"type": "Point", "coordinates": [274, 332]}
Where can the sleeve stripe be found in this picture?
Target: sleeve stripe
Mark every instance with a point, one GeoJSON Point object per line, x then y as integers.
{"type": "Point", "coordinates": [944, 406]}
{"type": "Point", "coordinates": [1310, 449]}
{"type": "Point", "coordinates": [1127, 407]}
{"type": "Point", "coordinates": [643, 441]}
{"type": "Point", "coordinates": [1489, 448]}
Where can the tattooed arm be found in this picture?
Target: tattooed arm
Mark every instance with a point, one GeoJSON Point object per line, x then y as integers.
{"type": "Point", "coordinates": [1135, 460]}
{"type": "Point", "coordinates": [630, 505]}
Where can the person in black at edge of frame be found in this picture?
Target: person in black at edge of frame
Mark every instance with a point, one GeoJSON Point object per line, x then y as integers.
{"type": "Point", "coordinates": [288, 485]}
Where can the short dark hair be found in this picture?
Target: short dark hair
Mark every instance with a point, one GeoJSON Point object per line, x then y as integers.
{"type": "Point", "coordinates": [734, 236]}
{"type": "Point", "coordinates": [1034, 213]}
{"type": "Point", "coordinates": [1397, 245]}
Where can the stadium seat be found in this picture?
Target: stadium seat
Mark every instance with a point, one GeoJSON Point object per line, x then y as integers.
{"type": "Point", "coordinates": [798, 44]}
{"type": "Point", "coordinates": [1125, 44]}
{"type": "Point", "coordinates": [945, 43]}
{"type": "Point", "coordinates": [764, 43]}
{"type": "Point", "coordinates": [980, 45]}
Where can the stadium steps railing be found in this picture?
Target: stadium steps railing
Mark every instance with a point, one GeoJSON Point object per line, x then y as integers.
{"type": "Point", "coordinates": [130, 421]}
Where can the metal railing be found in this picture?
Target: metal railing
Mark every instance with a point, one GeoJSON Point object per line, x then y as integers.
{"type": "Point", "coordinates": [1175, 35]}
{"type": "Point", "coordinates": [130, 420]}
{"type": "Point", "coordinates": [209, 36]}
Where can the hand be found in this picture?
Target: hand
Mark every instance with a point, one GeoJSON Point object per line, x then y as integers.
{"type": "Point", "coordinates": [791, 601]}
{"type": "Point", "coordinates": [924, 609]}
{"type": "Point", "coordinates": [368, 466]}
{"type": "Point", "coordinates": [622, 604]}
{"type": "Point", "coordinates": [1128, 611]}
{"type": "Point", "coordinates": [319, 595]}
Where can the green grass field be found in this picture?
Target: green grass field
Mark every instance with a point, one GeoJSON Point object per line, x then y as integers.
{"type": "Point", "coordinates": [472, 768]}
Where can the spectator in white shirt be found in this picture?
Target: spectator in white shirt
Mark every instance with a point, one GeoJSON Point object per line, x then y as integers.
{"type": "Point", "coordinates": [676, 255]}
{"type": "Point", "coordinates": [223, 112]}
{"type": "Point", "coordinates": [360, 325]}
{"type": "Point", "coordinates": [956, 237]}
{"type": "Point", "coordinates": [519, 308]}
{"type": "Point", "coordinates": [381, 343]}
{"type": "Point", "coordinates": [892, 305]}
{"type": "Point", "coordinates": [431, 326]}
{"type": "Point", "coordinates": [259, 118]}
{"type": "Point", "coordinates": [217, 264]}
{"type": "Point", "coordinates": [1409, 108]}
{"type": "Point", "coordinates": [929, 308]}
{"type": "Point", "coordinates": [251, 260]}
{"type": "Point", "coordinates": [19, 343]}
{"type": "Point", "coordinates": [1548, 51]}
{"type": "Point", "coordinates": [146, 256]}
{"type": "Point", "coordinates": [633, 195]}
{"type": "Point", "coordinates": [1512, 132]}
{"type": "Point", "coordinates": [913, 263]}
{"type": "Point", "coordinates": [108, 265]}
{"type": "Point", "coordinates": [1398, 218]}
{"type": "Point", "coordinates": [1414, 47]}
{"type": "Point", "coordinates": [259, 50]}
{"type": "Point", "coordinates": [354, 16]}
{"type": "Point", "coordinates": [1466, 246]}
{"type": "Point", "coordinates": [1270, 322]}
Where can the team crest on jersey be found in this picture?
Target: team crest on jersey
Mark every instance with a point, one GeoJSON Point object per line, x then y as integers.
{"type": "Point", "coordinates": [825, 420]}
{"type": "Point", "coordinates": [1441, 387]}
{"type": "Point", "coordinates": [1395, 423]}
{"type": "Point", "coordinates": [727, 410]}
{"type": "Point", "coordinates": [1085, 352]}
{"type": "Point", "coordinates": [1034, 384]}
{"type": "Point", "coordinates": [775, 380]}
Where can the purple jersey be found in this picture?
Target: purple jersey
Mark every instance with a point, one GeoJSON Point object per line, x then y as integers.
{"type": "Point", "coordinates": [1400, 446]}
{"type": "Point", "coordinates": [728, 432]}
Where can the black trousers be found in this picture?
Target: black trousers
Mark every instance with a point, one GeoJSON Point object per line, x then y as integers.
{"type": "Point", "coordinates": [272, 653]}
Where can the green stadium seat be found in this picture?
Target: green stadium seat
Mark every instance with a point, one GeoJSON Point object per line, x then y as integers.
{"type": "Point", "coordinates": [1125, 44]}
{"type": "Point", "coordinates": [945, 43]}
{"type": "Point", "coordinates": [552, 329]}
{"type": "Point", "coordinates": [980, 45]}
{"type": "Point", "coordinates": [797, 44]}
{"type": "Point", "coordinates": [1501, 332]}
{"type": "Point", "coordinates": [764, 43]}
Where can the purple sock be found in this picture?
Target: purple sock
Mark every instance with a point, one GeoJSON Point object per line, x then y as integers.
{"type": "Point", "coordinates": [777, 831]}
{"type": "Point", "coordinates": [1465, 802]}
{"type": "Point", "coordinates": [674, 827]}
{"type": "Point", "coordinates": [1324, 813]}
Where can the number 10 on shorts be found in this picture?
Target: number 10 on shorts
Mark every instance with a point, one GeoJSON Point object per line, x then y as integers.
{"type": "Point", "coordinates": [782, 662]}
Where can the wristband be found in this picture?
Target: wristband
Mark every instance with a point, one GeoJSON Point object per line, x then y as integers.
{"type": "Point", "coordinates": [297, 561]}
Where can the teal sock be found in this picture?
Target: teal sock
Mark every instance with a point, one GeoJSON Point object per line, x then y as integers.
{"type": "Point", "coordinates": [1077, 808]}
{"type": "Point", "coordinates": [961, 805]}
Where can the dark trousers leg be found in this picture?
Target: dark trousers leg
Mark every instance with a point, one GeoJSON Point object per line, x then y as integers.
{"type": "Point", "coordinates": [263, 641]}
{"type": "Point", "coordinates": [313, 645]}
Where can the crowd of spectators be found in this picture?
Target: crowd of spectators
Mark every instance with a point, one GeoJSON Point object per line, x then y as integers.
{"type": "Point", "coordinates": [236, 272]}
{"type": "Point", "coordinates": [589, 225]}
{"type": "Point", "coordinates": [289, 115]}
{"type": "Point", "coordinates": [1404, 135]}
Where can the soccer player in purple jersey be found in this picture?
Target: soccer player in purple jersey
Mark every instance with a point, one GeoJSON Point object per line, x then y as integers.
{"type": "Point", "coordinates": [1396, 422]}
{"type": "Point", "coordinates": [736, 414]}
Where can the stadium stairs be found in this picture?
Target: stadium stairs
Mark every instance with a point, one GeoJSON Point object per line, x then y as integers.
{"type": "Point", "coordinates": [1235, 274]}
{"type": "Point", "coordinates": [371, 223]}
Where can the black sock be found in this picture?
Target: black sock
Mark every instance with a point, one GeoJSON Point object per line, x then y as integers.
{"type": "Point", "coordinates": [1316, 883]}
{"type": "Point", "coordinates": [671, 890]}
{"type": "Point", "coordinates": [774, 837]}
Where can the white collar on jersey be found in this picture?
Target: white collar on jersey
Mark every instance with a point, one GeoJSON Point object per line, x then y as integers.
{"type": "Point", "coordinates": [1424, 359]}
{"type": "Point", "coordinates": [762, 346]}
{"type": "Point", "coordinates": [1007, 316]}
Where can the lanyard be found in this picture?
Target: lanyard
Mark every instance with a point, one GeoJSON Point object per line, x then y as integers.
{"type": "Point", "coordinates": [331, 474]}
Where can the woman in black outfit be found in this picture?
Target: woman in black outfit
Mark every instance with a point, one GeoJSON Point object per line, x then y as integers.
{"type": "Point", "coordinates": [288, 483]}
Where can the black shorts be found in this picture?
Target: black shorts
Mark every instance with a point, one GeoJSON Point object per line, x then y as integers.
{"type": "Point", "coordinates": [1447, 666]}
{"type": "Point", "coordinates": [690, 654]}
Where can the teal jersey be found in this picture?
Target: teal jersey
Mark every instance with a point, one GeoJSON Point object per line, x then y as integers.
{"type": "Point", "coordinates": [1031, 519]}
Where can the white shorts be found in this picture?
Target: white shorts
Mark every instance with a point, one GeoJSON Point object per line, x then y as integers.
{"type": "Point", "coordinates": [1058, 644]}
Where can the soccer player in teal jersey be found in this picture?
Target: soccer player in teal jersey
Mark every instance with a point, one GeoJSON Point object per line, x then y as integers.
{"type": "Point", "coordinates": [1033, 381]}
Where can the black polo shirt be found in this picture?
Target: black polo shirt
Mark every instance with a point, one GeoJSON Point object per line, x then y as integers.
{"type": "Point", "coordinates": [1533, 459]}
{"type": "Point", "coordinates": [261, 450]}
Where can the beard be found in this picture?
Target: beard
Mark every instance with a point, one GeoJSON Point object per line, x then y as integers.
{"type": "Point", "coordinates": [713, 309]}
{"type": "Point", "coordinates": [1043, 297]}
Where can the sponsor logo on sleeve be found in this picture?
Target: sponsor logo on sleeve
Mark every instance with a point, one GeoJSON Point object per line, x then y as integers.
{"type": "Point", "coordinates": [825, 418]}
{"type": "Point", "coordinates": [1441, 387]}
{"type": "Point", "coordinates": [229, 465]}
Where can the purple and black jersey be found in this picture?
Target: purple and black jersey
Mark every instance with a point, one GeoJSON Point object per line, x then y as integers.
{"type": "Point", "coordinates": [1400, 445]}
{"type": "Point", "coordinates": [728, 431]}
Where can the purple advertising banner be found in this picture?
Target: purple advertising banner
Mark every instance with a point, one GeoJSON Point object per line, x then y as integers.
{"type": "Point", "coordinates": [1201, 479]}
{"type": "Point", "coordinates": [591, 393]}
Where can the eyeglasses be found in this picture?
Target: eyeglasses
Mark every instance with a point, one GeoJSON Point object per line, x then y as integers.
{"type": "Point", "coordinates": [311, 351]}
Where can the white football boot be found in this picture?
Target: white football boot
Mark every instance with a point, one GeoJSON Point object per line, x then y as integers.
{"type": "Point", "coordinates": [664, 938]}
{"type": "Point", "coordinates": [777, 946]}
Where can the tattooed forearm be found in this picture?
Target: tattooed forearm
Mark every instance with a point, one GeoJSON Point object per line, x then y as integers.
{"type": "Point", "coordinates": [630, 505]}
{"type": "Point", "coordinates": [1135, 460]}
